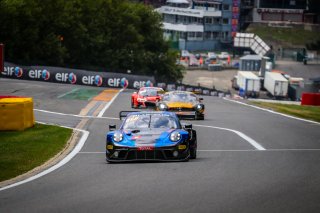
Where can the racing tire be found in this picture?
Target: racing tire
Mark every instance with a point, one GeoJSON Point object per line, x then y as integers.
{"type": "Point", "coordinates": [198, 116]}
{"type": "Point", "coordinates": [193, 153]}
{"type": "Point", "coordinates": [132, 105]}
{"type": "Point", "coordinates": [188, 158]}
{"type": "Point", "coordinates": [193, 147]}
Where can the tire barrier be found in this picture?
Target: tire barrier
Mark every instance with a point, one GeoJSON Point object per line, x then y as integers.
{"type": "Point", "coordinates": [312, 99]}
{"type": "Point", "coordinates": [16, 113]}
{"type": "Point", "coordinates": [76, 76]}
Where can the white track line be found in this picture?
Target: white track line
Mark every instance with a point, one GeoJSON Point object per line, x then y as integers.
{"type": "Point", "coordinates": [271, 111]}
{"type": "Point", "coordinates": [108, 104]}
{"type": "Point", "coordinates": [76, 150]}
{"type": "Point", "coordinates": [73, 115]}
{"type": "Point", "coordinates": [242, 135]}
{"type": "Point", "coordinates": [67, 93]}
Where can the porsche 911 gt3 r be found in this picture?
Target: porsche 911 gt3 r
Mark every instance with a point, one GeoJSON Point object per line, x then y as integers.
{"type": "Point", "coordinates": [184, 104]}
{"type": "Point", "coordinates": [150, 136]}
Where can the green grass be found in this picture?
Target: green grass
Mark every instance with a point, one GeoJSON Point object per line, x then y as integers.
{"type": "Point", "coordinates": [293, 36]}
{"type": "Point", "coordinates": [306, 112]}
{"type": "Point", "coordinates": [21, 151]}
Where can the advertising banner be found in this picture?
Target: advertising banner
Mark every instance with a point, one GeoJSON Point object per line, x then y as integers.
{"type": "Point", "coordinates": [76, 76]}
{"type": "Point", "coordinates": [98, 79]}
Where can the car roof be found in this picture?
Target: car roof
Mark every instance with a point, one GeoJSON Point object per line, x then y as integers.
{"type": "Point", "coordinates": [153, 113]}
{"type": "Point", "coordinates": [179, 92]}
{"type": "Point", "coordinates": [155, 88]}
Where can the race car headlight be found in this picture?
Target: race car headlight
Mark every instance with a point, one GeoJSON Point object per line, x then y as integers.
{"type": "Point", "coordinates": [117, 136]}
{"type": "Point", "coordinates": [163, 107]}
{"type": "Point", "coordinates": [199, 107]}
{"type": "Point", "coordinates": [175, 136]}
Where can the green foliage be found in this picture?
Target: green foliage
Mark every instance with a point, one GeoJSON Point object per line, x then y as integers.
{"type": "Point", "coordinates": [112, 35]}
{"type": "Point", "coordinates": [306, 112]}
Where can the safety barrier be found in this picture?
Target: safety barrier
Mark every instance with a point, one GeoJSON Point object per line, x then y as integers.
{"type": "Point", "coordinates": [16, 113]}
{"type": "Point", "coordinates": [312, 99]}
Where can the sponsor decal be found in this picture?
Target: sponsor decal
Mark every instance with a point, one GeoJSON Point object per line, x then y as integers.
{"type": "Point", "coordinates": [113, 82]}
{"type": "Point", "coordinates": [18, 72]}
{"type": "Point", "coordinates": [62, 77]}
{"type": "Point", "coordinates": [45, 75]}
{"type": "Point", "coordinates": [124, 83]}
{"type": "Point", "coordinates": [139, 84]}
{"type": "Point", "coordinates": [98, 80]}
{"type": "Point", "coordinates": [92, 80]}
{"type": "Point", "coordinates": [72, 78]}
{"type": "Point", "coordinates": [145, 148]}
{"type": "Point", "coordinates": [8, 71]}
{"type": "Point", "coordinates": [35, 74]}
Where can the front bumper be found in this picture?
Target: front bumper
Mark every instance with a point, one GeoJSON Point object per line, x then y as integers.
{"type": "Point", "coordinates": [147, 103]}
{"type": "Point", "coordinates": [123, 154]}
{"type": "Point", "coordinates": [188, 114]}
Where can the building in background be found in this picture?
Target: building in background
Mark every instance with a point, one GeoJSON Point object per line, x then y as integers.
{"type": "Point", "coordinates": [279, 11]}
{"type": "Point", "coordinates": [200, 24]}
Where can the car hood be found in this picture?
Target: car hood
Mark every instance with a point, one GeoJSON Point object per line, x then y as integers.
{"type": "Point", "coordinates": [180, 104]}
{"type": "Point", "coordinates": [151, 137]}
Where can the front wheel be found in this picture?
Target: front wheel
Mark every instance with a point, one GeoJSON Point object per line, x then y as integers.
{"type": "Point", "coordinates": [193, 145]}
{"type": "Point", "coordinates": [193, 153]}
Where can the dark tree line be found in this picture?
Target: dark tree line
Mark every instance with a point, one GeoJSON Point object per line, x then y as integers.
{"type": "Point", "coordinates": [109, 34]}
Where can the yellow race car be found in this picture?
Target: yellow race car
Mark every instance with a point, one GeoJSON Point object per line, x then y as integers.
{"type": "Point", "coordinates": [184, 104]}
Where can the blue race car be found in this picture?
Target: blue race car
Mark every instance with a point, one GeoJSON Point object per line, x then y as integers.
{"type": "Point", "coordinates": [150, 136]}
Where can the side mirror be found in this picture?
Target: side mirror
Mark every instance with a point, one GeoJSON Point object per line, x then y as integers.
{"type": "Point", "coordinates": [188, 126]}
{"type": "Point", "coordinates": [112, 127]}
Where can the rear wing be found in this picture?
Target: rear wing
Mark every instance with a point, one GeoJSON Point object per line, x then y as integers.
{"type": "Point", "coordinates": [123, 114]}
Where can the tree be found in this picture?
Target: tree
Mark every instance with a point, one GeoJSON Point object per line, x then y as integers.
{"type": "Point", "coordinates": [102, 34]}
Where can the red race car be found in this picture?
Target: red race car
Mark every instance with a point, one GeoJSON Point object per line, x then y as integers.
{"type": "Point", "coordinates": [147, 96]}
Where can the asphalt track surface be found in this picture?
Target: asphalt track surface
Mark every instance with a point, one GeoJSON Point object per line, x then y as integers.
{"type": "Point", "coordinates": [229, 175]}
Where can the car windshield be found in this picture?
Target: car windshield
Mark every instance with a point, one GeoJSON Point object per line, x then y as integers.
{"type": "Point", "coordinates": [144, 121]}
{"type": "Point", "coordinates": [180, 97]}
{"type": "Point", "coordinates": [149, 92]}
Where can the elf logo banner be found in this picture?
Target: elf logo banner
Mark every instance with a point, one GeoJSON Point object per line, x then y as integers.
{"type": "Point", "coordinates": [39, 74]}
{"type": "Point", "coordinates": [45, 75]}
{"type": "Point", "coordinates": [118, 82]}
{"type": "Point", "coordinates": [92, 80]}
{"type": "Point", "coordinates": [18, 72]}
{"type": "Point", "coordinates": [12, 71]}
{"type": "Point", "coordinates": [72, 78]}
{"type": "Point", "coordinates": [139, 84]}
{"type": "Point", "coordinates": [62, 77]}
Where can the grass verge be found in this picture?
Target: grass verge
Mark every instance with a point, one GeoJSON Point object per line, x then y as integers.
{"type": "Point", "coordinates": [306, 112]}
{"type": "Point", "coordinates": [294, 36]}
{"type": "Point", "coordinates": [21, 151]}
